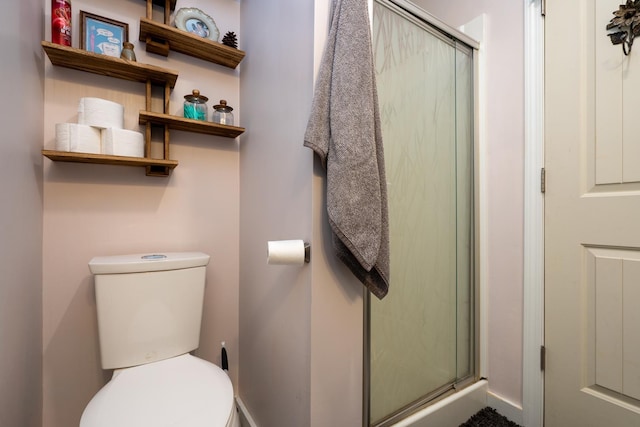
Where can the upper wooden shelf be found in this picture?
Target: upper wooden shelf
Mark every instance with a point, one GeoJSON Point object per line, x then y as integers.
{"type": "Point", "coordinates": [187, 43]}
{"type": "Point", "coordinates": [83, 60]}
{"type": "Point", "coordinates": [190, 125]}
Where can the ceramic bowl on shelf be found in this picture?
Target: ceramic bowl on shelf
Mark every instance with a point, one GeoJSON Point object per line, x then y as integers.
{"type": "Point", "coordinates": [195, 21]}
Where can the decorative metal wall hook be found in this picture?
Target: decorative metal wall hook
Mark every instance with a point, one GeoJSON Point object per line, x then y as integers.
{"type": "Point", "coordinates": [626, 24]}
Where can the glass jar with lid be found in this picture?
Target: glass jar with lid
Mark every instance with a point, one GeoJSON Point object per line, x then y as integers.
{"type": "Point", "coordinates": [127, 51]}
{"type": "Point", "coordinates": [195, 106]}
{"type": "Point", "coordinates": [222, 113]}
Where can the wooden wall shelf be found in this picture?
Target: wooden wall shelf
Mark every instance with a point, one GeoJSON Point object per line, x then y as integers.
{"type": "Point", "coordinates": [157, 167]}
{"type": "Point", "coordinates": [83, 60]}
{"type": "Point", "coordinates": [155, 34]}
{"type": "Point", "coordinates": [159, 38]}
{"type": "Point", "coordinates": [190, 125]}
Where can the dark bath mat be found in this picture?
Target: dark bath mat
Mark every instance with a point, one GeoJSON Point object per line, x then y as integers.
{"type": "Point", "coordinates": [488, 417]}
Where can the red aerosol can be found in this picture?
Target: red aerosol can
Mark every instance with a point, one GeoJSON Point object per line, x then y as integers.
{"type": "Point", "coordinates": [61, 22]}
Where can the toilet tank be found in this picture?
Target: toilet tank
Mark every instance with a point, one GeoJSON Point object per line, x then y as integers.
{"type": "Point", "coordinates": [149, 306]}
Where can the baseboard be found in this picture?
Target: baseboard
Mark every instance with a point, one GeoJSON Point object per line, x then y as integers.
{"type": "Point", "coordinates": [506, 408]}
{"type": "Point", "coordinates": [452, 410]}
{"type": "Point", "coordinates": [468, 400]}
{"type": "Point", "coordinates": [245, 417]}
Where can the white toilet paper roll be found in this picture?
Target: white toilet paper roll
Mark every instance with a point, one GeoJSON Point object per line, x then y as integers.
{"type": "Point", "coordinates": [122, 142]}
{"type": "Point", "coordinates": [77, 138]}
{"type": "Point", "coordinates": [100, 113]}
{"type": "Point", "coordinates": [286, 252]}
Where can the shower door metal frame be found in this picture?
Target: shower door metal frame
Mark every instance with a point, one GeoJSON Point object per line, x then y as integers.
{"type": "Point", "coordinates": [455, 38]}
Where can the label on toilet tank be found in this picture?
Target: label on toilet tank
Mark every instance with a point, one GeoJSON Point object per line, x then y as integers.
{"type": "Point", "coordinates": [153, 256]}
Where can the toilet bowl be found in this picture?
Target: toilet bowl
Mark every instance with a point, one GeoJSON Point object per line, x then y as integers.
{"type": "Point", "coordinates": [149, 310]}
{"type": "Point", "coordinates": [180, 391]}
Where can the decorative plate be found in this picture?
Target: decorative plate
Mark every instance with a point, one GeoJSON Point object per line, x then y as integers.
{"type": "Point", "coordinates": [196, 22]}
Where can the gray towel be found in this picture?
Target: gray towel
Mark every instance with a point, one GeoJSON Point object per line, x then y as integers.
{"type": "Point", "coordinates": [344, 131]}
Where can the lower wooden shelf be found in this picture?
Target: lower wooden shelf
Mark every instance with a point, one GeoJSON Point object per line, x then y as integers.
{"type": "Point", "coordinates": [155, 167]}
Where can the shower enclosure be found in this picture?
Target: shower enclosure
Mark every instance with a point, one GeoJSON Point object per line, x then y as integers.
{"type": "Point", "coordinates": [421, 337]}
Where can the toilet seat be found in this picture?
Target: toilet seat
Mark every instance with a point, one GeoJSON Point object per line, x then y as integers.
{"type": "Point", "coordinates": [180, 391]}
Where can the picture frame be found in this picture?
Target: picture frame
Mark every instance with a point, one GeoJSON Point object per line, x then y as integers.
{"type": "Point", "coordinates": [196, 22]}
{"type": "Point", "coordinates": [102, 35]}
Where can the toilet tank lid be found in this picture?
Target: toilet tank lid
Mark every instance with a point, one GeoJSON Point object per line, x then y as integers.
{"type": "Point", "coordinates": [139, 263]}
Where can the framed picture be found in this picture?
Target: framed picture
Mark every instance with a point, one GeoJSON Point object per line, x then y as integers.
{"type": "Point", "coordinates": [102, 35]}
{"type": "Point", "coordinates": [196, 22]}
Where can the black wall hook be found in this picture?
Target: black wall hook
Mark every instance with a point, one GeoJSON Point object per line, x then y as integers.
{"type": "Point", "coordinates": [625, 24]}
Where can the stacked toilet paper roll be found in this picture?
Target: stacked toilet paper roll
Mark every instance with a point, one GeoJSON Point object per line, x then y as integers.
{"type": "Point", "coordinates": [122, 142]}
{"type": "Point", "coordinates": [100, 113]}
{"type": "Point", "coordinates": [77, 138]}
{"type": "Point", "coordinates": [99, 131]}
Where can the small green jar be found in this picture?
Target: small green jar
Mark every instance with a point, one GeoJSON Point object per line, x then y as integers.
{"type": "Point", "coordinates": [195, 106]}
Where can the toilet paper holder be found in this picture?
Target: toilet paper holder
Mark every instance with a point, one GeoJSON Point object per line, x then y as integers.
{"type": "Point", "coordinates": [307, 253]}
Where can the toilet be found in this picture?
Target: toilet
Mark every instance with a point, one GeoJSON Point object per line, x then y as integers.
{"type": "Point", "coordinates": [149, 313]}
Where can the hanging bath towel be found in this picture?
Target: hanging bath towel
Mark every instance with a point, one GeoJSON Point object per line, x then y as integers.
{"type": "Point", "coordinates": [344, 131]}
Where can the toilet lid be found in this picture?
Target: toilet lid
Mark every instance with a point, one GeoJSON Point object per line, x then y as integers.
{"type": "Point", "coordinates": [181, 391]}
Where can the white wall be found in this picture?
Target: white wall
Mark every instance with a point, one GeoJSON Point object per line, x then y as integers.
{"type": "Point", "coordinates": [300, 327]}
{"type": "Point", "coordinates": [504, 149]}
{"type": "Point", "coordinates": [21, 215]}
{"type": "Point", "coordinates": [92, 210]}
{"type": "Point", "coordinates": [275, 203]}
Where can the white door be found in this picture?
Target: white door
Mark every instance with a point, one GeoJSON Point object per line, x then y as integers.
{"type": "Point", "coordinates": [592, 220]}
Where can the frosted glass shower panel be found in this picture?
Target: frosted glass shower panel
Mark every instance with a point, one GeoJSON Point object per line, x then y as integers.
{"type": "Point", "coordinates": [421, 334]}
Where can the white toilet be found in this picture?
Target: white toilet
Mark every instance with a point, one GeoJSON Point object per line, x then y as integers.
{"type": "Point", "coordinates": [149, 313]}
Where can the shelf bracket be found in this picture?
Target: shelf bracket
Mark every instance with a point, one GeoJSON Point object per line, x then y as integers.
{"type": "Point", "coordinates": [167, 11]}
{"type": "Point", "coordinates": [159, 47]}
{"type": "Point", "coordinates": [158, 171]}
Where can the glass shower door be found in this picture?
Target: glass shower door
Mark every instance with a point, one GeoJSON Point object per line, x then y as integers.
{"type": "Point", "coordinates": [421, 339]}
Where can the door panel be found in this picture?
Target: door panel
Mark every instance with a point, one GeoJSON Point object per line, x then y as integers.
{"type": "Point", "coordinates": [592, 208]}
{"type": "Point", "coordinates": [617, 85]}
{"type": "Point", "coordinates": [613, 278]}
